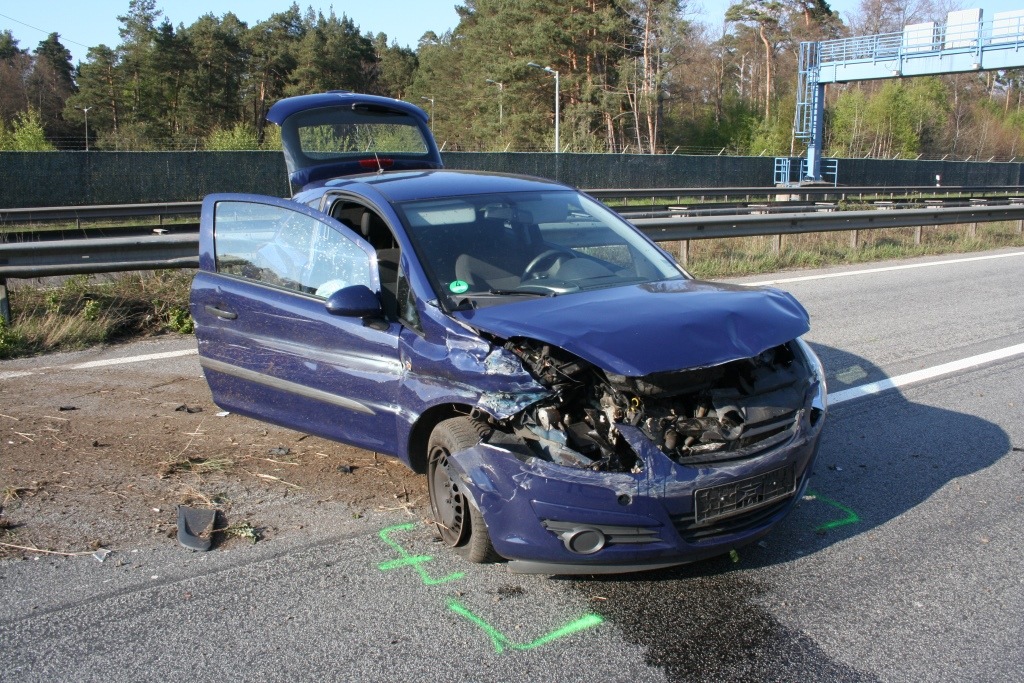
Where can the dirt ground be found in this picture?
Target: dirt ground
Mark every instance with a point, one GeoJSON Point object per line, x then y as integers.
{"type": "Point", "coordinates": [102, 458]}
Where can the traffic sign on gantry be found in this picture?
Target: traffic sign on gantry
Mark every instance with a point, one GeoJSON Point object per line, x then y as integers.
{"type": "Point", "coordinates": [964, 43]}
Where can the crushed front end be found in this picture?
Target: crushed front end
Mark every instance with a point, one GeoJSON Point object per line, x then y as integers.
{"type": "Point", "coordinates": [612, 473]}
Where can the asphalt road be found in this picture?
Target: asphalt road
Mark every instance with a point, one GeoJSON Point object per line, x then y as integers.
{"type": "Point", "coordinates": [904, 563]}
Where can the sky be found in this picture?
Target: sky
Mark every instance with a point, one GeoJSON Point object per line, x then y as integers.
{"type": "Point", "coordinates": [84, 24]}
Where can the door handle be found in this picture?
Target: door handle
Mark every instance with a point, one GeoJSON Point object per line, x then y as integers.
{"type": "Point", "coordinates": [224, 315]}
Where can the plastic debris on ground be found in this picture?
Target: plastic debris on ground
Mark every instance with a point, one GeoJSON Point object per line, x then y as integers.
{"type": "Point", "coordinates": [194, 527]}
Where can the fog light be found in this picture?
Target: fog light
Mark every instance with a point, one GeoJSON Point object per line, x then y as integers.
{"type": "Point", "coordinates": [584, 541]}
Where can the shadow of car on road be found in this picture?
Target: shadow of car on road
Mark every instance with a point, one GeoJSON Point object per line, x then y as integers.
{"type": "Point", "coordinates": [881, 456]}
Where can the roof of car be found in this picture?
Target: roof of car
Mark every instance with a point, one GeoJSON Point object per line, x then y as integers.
{"type": "Point", "coordinates": [402, 186]}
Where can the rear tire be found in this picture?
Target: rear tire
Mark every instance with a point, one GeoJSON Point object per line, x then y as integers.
{"type": "Point", "coordinates": [460, 524]}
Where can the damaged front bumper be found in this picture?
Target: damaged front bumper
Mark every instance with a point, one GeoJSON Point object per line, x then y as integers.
{"type": "Point", "coordinates": [552, 519]}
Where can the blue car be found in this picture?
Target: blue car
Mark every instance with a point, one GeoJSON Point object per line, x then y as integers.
{"type": "Point", "coordinates": [578, 402]}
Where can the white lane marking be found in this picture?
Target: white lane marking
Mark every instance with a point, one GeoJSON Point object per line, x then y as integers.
{"type": "Point", "coordinates": [869, 271]}
{"type": "Point", "coordinates": [134, 359]}
{"type": "Point", "coordinates": [102, 363]}
{"type": "Point", "coordinates": [12, 375]}
{"type": "Point", "coordinates": [924, 374]}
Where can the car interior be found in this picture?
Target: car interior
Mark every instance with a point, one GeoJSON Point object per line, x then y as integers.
{"type": "Point", "coordinates": [374, 230]}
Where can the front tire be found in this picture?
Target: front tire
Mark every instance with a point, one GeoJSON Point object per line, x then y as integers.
{"type": "Point", "coordinates": [460, 524]}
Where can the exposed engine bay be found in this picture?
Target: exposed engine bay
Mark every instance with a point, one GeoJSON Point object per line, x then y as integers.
{"type": "Point", "coordinates": [712, 414]}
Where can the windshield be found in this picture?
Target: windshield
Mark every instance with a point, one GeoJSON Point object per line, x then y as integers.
{"type": "Point", "coordinates": [484, 250]}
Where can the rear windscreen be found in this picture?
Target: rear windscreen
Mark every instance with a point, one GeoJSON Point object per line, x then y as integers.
{"type": "Point", "coordinates": [342, 133]}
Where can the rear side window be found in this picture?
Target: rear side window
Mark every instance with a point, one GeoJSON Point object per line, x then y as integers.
{"type": "Point", "coordinates": [282, 248]}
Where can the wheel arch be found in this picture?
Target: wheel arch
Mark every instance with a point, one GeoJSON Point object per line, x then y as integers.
{"type": "Point", "coordinates": [420, 433]}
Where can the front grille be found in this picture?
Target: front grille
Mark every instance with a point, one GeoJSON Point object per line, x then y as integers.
{"type": "Point", "coordinates": [757, 439]}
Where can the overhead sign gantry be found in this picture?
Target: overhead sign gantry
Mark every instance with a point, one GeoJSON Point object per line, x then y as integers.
{"type": "Point", "coordinates": [964, 43]}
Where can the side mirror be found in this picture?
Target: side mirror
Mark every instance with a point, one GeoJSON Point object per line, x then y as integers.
{"type": "Point", "coordinates": [357, 301]}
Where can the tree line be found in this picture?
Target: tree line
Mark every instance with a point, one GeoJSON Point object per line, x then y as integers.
{"type": "Point", "coordinates": [633, 76]}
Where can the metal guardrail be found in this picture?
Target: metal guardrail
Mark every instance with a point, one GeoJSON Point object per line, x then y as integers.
{"type": "Point", "coordinates": [710, 227]}
{"type": "Point", "coordinates": [163, 210]}
{"type": "Point", "coordinates": [98, 255]}
{"type": "Point", "coordinates": [99, 211]}
{"type": "Point", "coordinates": [809, 190]}
{"type": "Point", "coordinates": [163, 251]}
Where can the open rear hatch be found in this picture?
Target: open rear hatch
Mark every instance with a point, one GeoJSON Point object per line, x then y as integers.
{"type": "Point", "coordinates": [334, 134]}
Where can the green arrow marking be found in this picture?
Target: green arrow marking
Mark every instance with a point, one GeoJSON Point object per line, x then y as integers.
{"type": "Point", "coordinates": [501, 642]}
{"type": "Point", "coordinates": [414, 561]}
{"type": "Point", "coordinates": [850, 518]}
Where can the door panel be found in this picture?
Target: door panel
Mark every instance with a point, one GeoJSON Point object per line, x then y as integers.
{"type": "Point", "coordinates": [268, 346]}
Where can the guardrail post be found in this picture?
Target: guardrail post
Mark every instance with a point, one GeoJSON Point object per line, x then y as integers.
{"type": "Point", "coordinates": [5, 303]}
{"type": "Point", "coordinates": [974, 226]}
{"type": "Point", "coordinates": [777, 244]}
{"type": "Point", "coordinates": [684, 253]}
{"type": "Point", "coordinates": [1017, 201]}
{"type": "Point", "coordinates": [854, 239]}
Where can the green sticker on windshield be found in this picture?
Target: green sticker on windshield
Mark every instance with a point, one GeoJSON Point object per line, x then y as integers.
{"type": "Point", "coordinates": [459, 286]}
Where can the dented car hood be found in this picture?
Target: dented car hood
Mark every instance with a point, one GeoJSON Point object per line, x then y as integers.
{"type": "Point", "coordinates": [642, 329]}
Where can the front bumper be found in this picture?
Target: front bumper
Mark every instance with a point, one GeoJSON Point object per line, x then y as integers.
{"type": "Point", "coordinates": [552, 519]}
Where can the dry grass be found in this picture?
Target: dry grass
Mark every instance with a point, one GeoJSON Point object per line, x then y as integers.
{"type": "Point", "coordinates": [754, 255]}
{"type": "Point", "coordinates": [198, 466]}
{"type": "Point", "coordinates": [85, 311]}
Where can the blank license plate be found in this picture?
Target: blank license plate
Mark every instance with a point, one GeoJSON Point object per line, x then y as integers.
{"type": "Point", "coordinates": [740, 496]}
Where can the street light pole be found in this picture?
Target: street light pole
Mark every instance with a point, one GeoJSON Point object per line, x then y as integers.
{"type": "Point", "coordinates": [431, 100]}
{"type": "Point", "coordinates": [86, 111]}
{"type": "Point", "coordinates": [552, 71]}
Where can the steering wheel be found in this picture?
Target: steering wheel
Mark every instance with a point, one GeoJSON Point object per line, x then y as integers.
{"type": "Point", "coordinates": [552, 255]}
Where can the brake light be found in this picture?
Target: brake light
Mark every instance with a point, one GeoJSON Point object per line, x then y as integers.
{"type": "Point", "coordinates": [376, 163]}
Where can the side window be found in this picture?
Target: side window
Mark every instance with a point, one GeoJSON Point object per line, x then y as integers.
{"type": "Point", "coordinates": [366, 222]}
{"type": "Point", "coordinates": [283, 248]}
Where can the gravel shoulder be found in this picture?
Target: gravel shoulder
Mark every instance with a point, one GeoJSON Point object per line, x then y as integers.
{"type": "Point", "coordinates": [101, 458]}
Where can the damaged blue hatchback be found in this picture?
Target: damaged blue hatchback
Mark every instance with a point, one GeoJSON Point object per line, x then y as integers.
{"type": "Point", "coordinates": [577, 401]}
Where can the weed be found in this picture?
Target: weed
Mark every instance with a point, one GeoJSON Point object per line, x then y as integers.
{"type": "Point", "coordinates": [10, 341]}
{"type": "Point", "coordinates": [242, 530]}
{"type": "Point", "coordinates": [198, 466]}
{"type": "Point", "coordinates": [10, 493]}
{"type": "Point", "coordinates": [91, 310]}
{"type": "Point", "coordinates": [180, 320]}
{"type": "Point", "coordinates": [193, 496]}
{"type": "Point", "coordinates": [77, 284]}
{"type": "Point", "coordinates": [53, 301]}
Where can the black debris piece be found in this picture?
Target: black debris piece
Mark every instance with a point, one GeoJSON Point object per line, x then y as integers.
{"type": "Point", "coordinates": [194, 527]}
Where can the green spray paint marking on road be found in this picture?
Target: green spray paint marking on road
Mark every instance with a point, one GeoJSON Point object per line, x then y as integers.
{"type": "Point", "coordinates": [414, 561]}
{"type": "Point", "coordinates": [850, 518]}
{"type": "Point", "coordinates": [501, 642]}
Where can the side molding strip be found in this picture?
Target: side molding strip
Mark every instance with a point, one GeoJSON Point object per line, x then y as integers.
{"type": "Point", "coordinates": [284, 385]}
